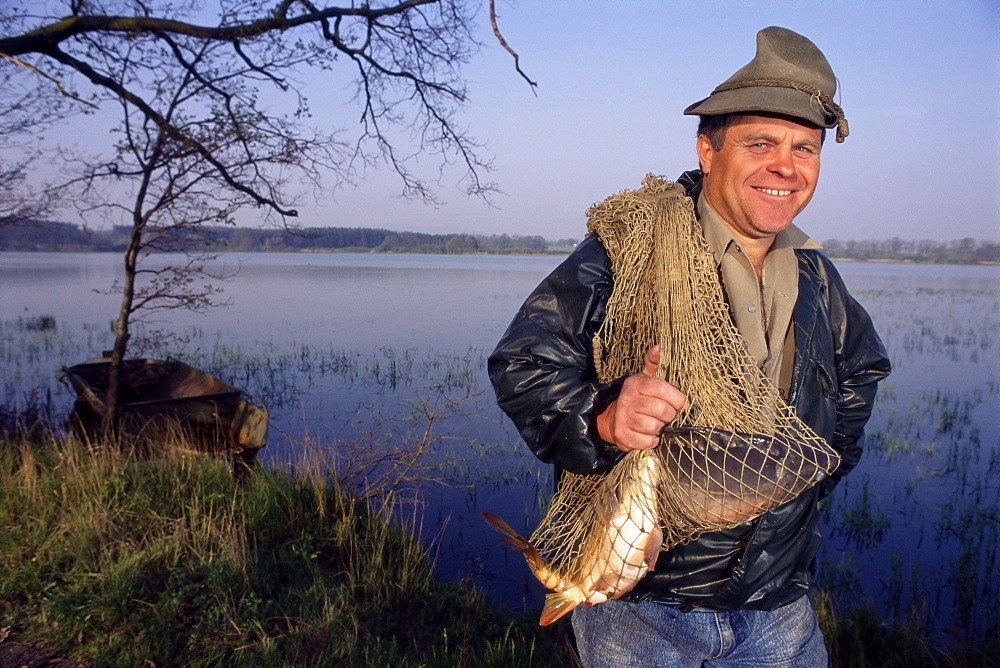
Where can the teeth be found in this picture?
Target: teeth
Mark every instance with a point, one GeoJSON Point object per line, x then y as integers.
{"type": "Point", "coordinates": [779, 193]}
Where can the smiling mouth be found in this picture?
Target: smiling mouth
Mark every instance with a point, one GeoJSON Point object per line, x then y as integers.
{"type": "Point", "coordinates": [777, 193]}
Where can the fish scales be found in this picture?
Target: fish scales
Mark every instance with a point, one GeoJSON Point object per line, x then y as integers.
{"type": "Point", "coordinates": [615, 555]}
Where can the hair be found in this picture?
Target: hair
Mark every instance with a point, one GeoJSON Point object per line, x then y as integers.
{"type": "Point", "coordinates": [714, 128]}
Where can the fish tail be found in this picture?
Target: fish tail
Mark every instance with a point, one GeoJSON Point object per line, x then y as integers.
{"type": "Point", "coordinates": [515, 540]}
{"type": "Point", "coordinates": [556, 605]}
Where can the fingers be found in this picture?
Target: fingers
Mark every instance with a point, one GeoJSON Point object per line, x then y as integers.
{"type": "Point", "coordinates": [652, 361]}
{"type": "Point", "coordinates": [634, 421]}
{"type": "Point", "coordinates": [664, 400]}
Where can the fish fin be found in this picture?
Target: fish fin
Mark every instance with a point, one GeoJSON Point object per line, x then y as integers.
{"type": "Point", "coordinates": [514, 540]}
{"type": "Point", "coordinates": [499, 524]}
{"type": "Point", "coordinates": [607, 583]}
{"type": "Point", "coordinates": [628, 584]}
{"type": "Point", "coordinates": [556, 605]}
{"type": "Point", "coordinates": [608, 504]}
{"type": "Point", "coordinates": [615, 585]}
{"type": "Point", "coordinates": [653, 544]}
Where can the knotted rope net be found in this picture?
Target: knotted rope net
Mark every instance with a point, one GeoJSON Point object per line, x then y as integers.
{"type": "Point", "coordinates": [737, 452]}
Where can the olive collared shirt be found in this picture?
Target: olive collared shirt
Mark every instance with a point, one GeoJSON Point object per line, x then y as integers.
{"type": "Point", "coordinates": [762, 309]}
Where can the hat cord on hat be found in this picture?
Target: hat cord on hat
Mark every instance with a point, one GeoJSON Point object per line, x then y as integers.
{"type": "Point", "coordinates": [824, 99]}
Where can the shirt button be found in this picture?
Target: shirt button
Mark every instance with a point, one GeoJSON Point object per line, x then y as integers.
{"type": "Point", "coordinates": [752, 308]}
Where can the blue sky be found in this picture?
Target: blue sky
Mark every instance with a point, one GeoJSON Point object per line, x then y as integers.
{"type": "Point", "coordinates": [920, 85]}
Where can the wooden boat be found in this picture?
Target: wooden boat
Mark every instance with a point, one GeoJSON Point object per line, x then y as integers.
{"type": "Point", "coordinates": [156, 395]}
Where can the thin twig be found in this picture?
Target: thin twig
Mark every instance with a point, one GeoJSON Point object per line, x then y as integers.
{"type": "Point", "coordinates": [503, 43]}
{"type": "Point", "coordinates": [69, 94]}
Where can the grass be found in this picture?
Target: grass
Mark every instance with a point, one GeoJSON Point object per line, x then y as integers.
{"type": "Point", "coordinates": [860, 638]}
{"type": "Point", "coordinates": [118, 561]}
{"type": "Point", "coordinates": [114, 560]}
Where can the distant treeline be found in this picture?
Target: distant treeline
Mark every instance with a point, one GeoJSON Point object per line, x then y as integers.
{"type": "Point", "coordinates": [959, 251]}
{"type": "Point", "coordinates": [54, 236]}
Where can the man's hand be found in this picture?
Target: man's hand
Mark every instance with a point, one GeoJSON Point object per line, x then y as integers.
{"type": "Point", "coordinates": [645, 405]}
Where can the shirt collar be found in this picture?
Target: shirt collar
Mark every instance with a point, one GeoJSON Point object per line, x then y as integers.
{"type": "Point", "coordinates": [719, 236]}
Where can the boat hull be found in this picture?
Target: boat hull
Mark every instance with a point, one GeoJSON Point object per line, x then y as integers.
{"type": "Point", "coordinates": [214, 416]}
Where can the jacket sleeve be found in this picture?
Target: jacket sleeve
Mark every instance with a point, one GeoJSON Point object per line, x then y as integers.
{"type": "Point", "coordinates": [543, 370]}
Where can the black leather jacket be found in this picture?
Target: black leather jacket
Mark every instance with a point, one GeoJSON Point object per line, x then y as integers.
{"type": "Point", "coordinates": [544, 377]}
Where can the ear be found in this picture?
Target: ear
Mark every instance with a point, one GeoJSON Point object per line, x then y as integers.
{"type": "Point", "coordinates": [705, 154]}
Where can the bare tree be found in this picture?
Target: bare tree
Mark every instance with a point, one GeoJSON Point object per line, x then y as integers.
{"type": "Point", "coordinates": [24, 113]}
{"type": "Point", "coordinates": [213, 116]}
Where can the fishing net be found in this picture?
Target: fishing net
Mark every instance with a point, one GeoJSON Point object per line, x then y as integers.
{"type": "Point", "coordinates": [738, 451]}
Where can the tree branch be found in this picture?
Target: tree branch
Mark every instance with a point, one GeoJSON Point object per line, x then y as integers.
{"type": "Point", "coordinates": [167, 128]}
{"type": "Point", "coordinates": [55, 82]}
{"type": "Point", "coordinates": [503, 43]}
{"type": "Point", "coordinates": [46, 37]}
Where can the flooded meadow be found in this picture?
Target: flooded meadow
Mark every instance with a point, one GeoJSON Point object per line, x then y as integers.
{"type": "Point", "coordinates": [354, 352]}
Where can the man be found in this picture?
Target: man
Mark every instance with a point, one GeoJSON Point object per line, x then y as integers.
{"type": "Point", "coordinates": [734, 596]}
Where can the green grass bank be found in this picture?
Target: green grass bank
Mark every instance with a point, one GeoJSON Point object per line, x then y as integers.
{"type": "Point", "coordinates": [117, 561]}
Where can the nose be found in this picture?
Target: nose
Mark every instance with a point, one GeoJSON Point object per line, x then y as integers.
{"type": "Point", "coordinates": [782, 162]}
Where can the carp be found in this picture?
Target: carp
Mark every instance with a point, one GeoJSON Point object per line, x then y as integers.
{"type": "Point", "coordinates": [614, 555]}
{"type": "Point", "coordinates": [722, 478]}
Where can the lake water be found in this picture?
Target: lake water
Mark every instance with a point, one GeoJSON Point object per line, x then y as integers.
{"type": "Point", "coordinates": [342, 346]}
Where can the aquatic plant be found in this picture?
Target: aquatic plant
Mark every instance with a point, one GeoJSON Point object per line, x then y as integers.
{"type": "Point", "coordinates": [911, 534]}
{"type": "Point", "coordinates": [122, 561]}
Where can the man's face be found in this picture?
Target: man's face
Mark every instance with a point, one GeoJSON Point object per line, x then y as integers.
{"type": "Point", "coordinates": [764, 175]}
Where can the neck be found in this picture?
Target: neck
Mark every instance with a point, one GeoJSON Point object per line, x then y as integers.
{"type": "Point", "coordinates": [756, 250]}
{"type": "Point", "coordinates": [755, 247]}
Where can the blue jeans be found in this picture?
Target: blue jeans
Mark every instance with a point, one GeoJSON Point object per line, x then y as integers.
{"type": "Point", "coordinates": [620, 634]}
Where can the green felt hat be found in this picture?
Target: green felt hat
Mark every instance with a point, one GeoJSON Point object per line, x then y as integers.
{"type": "Point", "coordinates": [788, 76]}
